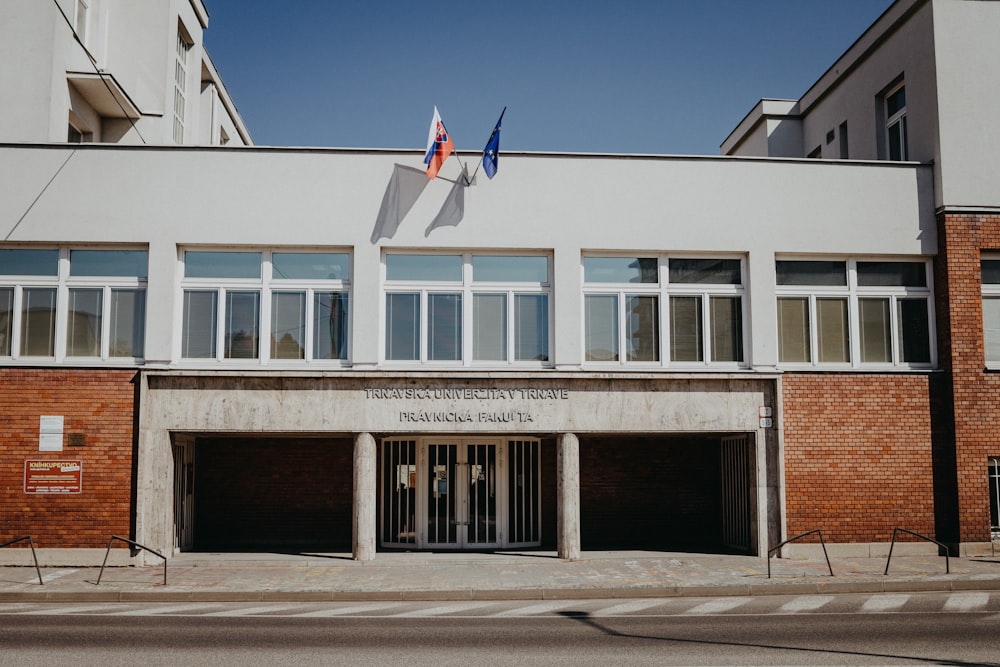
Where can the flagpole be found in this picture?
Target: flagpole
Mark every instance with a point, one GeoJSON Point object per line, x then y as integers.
{"type": "Point", "coordinates": [488, 141]}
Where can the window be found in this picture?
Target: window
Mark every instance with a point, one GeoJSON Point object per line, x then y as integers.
{"type": "Point", "coordinates": [467, 309]}
{"type": "Point", "coordinates": [663, 310]}
{"type": "Point", "coordinates": [80, 25]}
{"type": "Point", "coordinates": [990, 272]}
{"type": "Point", "coordinates": [854, 313]}
{"type": "Point", "coordinates": [895, 124]}
{"type": "Point", "coordinates": [180, 84]}
{"type": "Point", "coordinates": [100, 295]}
{"type": "Point", "coordinates": [265, 306]}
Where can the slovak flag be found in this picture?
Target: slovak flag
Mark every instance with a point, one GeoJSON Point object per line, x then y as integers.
{"type": "Point", "coordinates": [439, 145]}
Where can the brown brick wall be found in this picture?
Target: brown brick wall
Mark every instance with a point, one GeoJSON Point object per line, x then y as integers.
{"type": "Point", "coordinates": [858, 455]}
{"type": "Point", "coordinates": [650, 493]}
{"type": "Point", "coordinates": [975, 391]}
{"type": "Point", "coordinates": [273, 492]}
{"type": "Point", "coordinates": [96, 403]}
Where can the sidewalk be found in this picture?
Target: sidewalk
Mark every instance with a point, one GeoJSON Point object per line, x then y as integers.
{"type": "Point", "coordinates": [528, 575]}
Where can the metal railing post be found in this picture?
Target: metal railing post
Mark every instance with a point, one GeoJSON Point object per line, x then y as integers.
{"type": "Point", "coordinates": [31, 543]}
{"type": "Point", "coordinates": [947, 551]}
{"type": "Point", "coordinates": [135, 544]}
{"type": "Point", "coordinates": [797, 537]}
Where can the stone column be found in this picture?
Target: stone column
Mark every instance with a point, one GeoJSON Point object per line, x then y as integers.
{"type": "Point", "coordinates": [364, 524]}
{"type": "Point", "coordinates": [568, 510]}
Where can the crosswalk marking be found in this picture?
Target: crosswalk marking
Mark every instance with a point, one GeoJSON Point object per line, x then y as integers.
{"type": "Point", "coordinates": [346, 611]}
{"type": "Point", "coordinates": [717, 606]}
{"type": "Point", "coordinates": [446, 609]}
{"type": "Point", "coordinates": [966, 601]}
{"type": "Point", "coordinates": [250, 611]}
{"type": "Point", "coordinates": [806, 603]}
{"type": "Point", "coordinates": [153, 611]}
{"type": "Point", "coordinates": [628, 607]}
{"type": "Point", "coordinates": [537, 608]}
{"type": "Point", "coordinates": [75, 609]}
{"type": "Point", "coordinates": [888, 602]}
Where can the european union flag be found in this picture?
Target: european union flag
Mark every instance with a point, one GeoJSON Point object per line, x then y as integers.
{"type": "Point", "coordinates": [491, 154]}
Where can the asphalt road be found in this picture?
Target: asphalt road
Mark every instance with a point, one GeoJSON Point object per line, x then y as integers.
{"type": "Point", "coordinates": [773, 631]}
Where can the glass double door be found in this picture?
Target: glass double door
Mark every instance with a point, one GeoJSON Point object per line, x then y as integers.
{"type": "Point", "coordinates": [440, 493]}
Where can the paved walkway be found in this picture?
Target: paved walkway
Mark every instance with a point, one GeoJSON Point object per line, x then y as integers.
{"type": "Point", "coordinates": [514, 576]}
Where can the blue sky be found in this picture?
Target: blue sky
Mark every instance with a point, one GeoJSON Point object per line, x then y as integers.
{"type": "Point", "coordinates": [631, 76]}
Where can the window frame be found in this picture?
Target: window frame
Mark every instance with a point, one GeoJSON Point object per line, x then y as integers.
{"type": "Point", "coordinates": [895, 122]}
{"type": "Point", "coordinates": [62, 282]}
{"type": "Point", "coordinates": [853, 294]}
{"type": "Point", "coordinates": [989, 292]}
{"type": "Point", "coordinates": [265, 286]}
{"type": "Point", "coordinates": [468, 288]}
{"type": "Point", "coordinates": [664, 290]}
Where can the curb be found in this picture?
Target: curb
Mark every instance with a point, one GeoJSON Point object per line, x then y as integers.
{"type": "Point", "coordinates": [467, 594]}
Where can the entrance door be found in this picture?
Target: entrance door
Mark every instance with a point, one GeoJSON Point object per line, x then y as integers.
{"type": "Point", "coordinates": [461, 495]}
{"type": "Point", "coordinates": [451, 493]}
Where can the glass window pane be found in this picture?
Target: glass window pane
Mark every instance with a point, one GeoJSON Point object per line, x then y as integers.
{"type": "Point", "coordinates": [832, 331]}
{"type": "Point", "coordinates": [288, 325]}
{"type": "Point", "coordinates": [601, 320]}
{"type": "Point", "coordinates": [502, 268]}
{"type": "Point", "coordinates": [642, 328]}
{"type": "Point", "coordinates": [201, 264]}
{"type": "Point", "coordinates": [990, 271]}
{"type": "Point", "coordinates": [128, 322]}
{"type": "Point", "coordinates": [402, 325]}
{"type": "Point", "coordinates": [83, 323]}
{"type": "Point", "coordinates": [489, 327]}
{"type": "Point", "coordinates": [423, 267]}
{"type": "Point", "coordinates": [799, 272]}
{"type": "Point", "coordinates": [896, 102]}
{"type": "Point", "coordinates": [6, 320]}
{"type": "Point", "coordinates": [125, 263]}
{"type": "Point", "coordinates": [899, 274]}
{"type": "Point", "coordinates": [330, 311]}
{"type": "Point", "coordinates": [531, 327]}
{"type": "Point", "coordinates": [685, 328]}
{"type": "Point", "coordinates": [444, 327]}
{"type": "Point", "coordinates": [793, 331]}
{"type": "Point", "coordinates": [242, 325]}
{"type": "Point", "coordinates": [310, 265]}
{"type": "Point", "coordinates": [38, 322]}
{"type": "Point", "coordinates": [727, 328]}
{"type": "Point", "coordinates": [620, 270]}
{"type": "Point", "coordinates": [991, 329]}
{"type": "Point", "coordinates": [705, 271]}
{"type": "Point", "coordinates": [24, 262]}
{"type": "Point", "coordinates": [914, 331]}
{"type": "Point", "coordinates": [200, 312]}
{"type": "Point", "coordinates": [874, 330]}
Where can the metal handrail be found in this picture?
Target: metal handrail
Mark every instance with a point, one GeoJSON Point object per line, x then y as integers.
{"type": "Point", "coordinates": [947, 551]}
{"type": "Point", "coordinates": [135, 544]}
{"type": "Point", "coordinates": [797, 537]}
{"type": "Point", "coordinates": [31, 542]}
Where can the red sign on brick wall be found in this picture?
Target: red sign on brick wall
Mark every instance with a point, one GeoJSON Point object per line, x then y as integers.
{"type": "Point", "coordinates": [53, 476]}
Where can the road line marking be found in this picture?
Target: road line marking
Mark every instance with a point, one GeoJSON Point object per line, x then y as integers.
{"type": "Point", "coordinates": [445, 609]}
{"type": "Point", "coordinates": [250, 611]}
{"type": "Point", "coordinates": [537, 608]}
{"type": "Point", "coordinates": [344, 611]}
{"type": "Point", "coordinates": [627, 607]}
{"type": "Point", "coordinates": [966, 601]}
{"type": "Point", "coordinates": [806, 603]}
{"type": "Point", "coordinates": [153, 611]}
{"type": "Point", "coordinates": [887, 602]}
{"type": "Point", "coordinates": [63, 610]}
{"type": "Point", "coordinates": [717, 606]}
{"type": "Point", "coordinates": [11, 606]}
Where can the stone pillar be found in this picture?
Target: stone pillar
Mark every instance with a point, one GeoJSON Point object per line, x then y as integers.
{"type": "Point", "coordinates": [568, 510]}
{"type": "Point", "coordinates": [364, 524]}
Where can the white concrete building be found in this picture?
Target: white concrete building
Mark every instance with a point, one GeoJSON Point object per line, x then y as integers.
{"type": "Point", "coordinates": [607, 351]}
